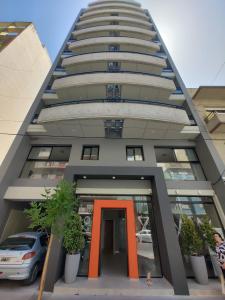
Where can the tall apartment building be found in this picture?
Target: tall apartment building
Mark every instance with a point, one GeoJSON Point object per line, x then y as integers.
{"type": "Point", "coordinates": [114, 116]}
{"type": "Point", "coordinates": [24, 65]}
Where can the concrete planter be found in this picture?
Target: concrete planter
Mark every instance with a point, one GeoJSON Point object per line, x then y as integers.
{"type": "Point", "coordinates": [199, 268]}
{"type": "Point", "coordinates": [71, 267]}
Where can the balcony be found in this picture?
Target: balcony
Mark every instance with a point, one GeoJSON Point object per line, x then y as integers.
{"type": "Point", "coordinates": [88, 120]}
{"type": "Point", "coordinates": [216, 122]}
{"type": "Point", "coordinates": [104, 21]}
{"type": "Point", "coordinates": [130, 2]}
{"type": "Point", "coordinates": [114, 30]}
{"type": "Point", "coordinates": [132, 62]}
{"type": "Point", "coordinates": [133, 86]}
{"type": "Point", "coordinates": [109, 12]}
{"type": "Point", "coordinates": [114, 5]}
{"type": "Point", "coordinates": [125, 44]}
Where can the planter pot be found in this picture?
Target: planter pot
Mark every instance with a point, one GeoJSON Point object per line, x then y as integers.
{"type": "Point", "coordinates": [199, 268]}
{"type": "Point", "coordinates": [71, 267]}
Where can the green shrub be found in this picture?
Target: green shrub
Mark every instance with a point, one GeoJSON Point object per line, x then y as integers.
{"type": "Point", "coordinates": [191, 242]}
{"type": "Point", "coordinates": [207, 232]}
{"type": "Point", "coordinates": [72, 233]}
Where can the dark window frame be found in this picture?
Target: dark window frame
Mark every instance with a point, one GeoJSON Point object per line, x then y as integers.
{"type": "Point", "coordinates": [179, 161]}
{"type": "Point", "coordinates": [134, 154]}
{"type": "Point", "coordinates": [90, 147]}
{"type": "Point", "coordinates": [47, 146]}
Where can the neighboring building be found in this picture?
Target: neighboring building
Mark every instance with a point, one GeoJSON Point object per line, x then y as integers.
{"type": "Point", "coordinates": [114, 116]}
{"type": "Point", "coordinates": [210, 104]}
{"type": "Point", "coordinates": [24, 64]}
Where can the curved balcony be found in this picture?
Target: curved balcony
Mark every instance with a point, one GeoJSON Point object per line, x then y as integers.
{"type": "Point", "coordinates": [103, 21]}
{"type": "Point", "coordinates": [130, 2]}
{"type": "Point", "coordinates": [109, 12]}
{"type": "Point", "coordinates": [133, 86]}
{"type": "Point", "coordinates": [116, 30]}
{"type": "Point", "coordinates": [132, 62]}
{"type": "Point", "coordinates": [138, 120]}
{"type": "Point", "coordinates": [114, 5]}
{"type": "Point", "coordinates": [102, 44]}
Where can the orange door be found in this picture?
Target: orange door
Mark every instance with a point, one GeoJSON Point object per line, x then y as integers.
{"type": "Point", "coordinates": [128, 205]}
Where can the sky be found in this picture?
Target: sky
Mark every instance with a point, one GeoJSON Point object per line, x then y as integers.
{"type": "Point", "coordinates": [193, 30]}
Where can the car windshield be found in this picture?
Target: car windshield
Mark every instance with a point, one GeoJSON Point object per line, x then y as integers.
{"type": "Point", "coordinates": [17, 243]}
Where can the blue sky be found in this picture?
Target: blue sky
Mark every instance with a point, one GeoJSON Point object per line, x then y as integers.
{"type": "Point", "coordinates": [193, 30]}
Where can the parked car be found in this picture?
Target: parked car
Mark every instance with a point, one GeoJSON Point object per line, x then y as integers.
{"type": "Point", "coordinates": [144, 236]}
{"type": "Point", "coordinates": [22, 256]}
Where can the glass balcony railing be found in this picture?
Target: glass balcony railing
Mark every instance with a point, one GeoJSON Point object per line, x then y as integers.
{"type": "Point", "coordinates": [182, 171]}
{"type": "Point", "coordinates": [53, 170]}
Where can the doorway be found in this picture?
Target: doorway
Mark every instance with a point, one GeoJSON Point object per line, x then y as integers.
{"type": "Point", "coordinates": [113, 256]}
{"type": "Point", "coordinates": [111, 210]}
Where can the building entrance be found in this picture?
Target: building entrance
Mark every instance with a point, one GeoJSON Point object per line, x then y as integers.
{"type": "Point", "coordinates": [113, 257]}
{"type": "Point", "coordinates": [105, 241]}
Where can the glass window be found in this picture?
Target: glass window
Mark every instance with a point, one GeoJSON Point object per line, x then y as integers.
{"type": "Point", "coordinates": [185, 155]}
{"type": "Point", "coordinates": [135, 153]}
{"type": "Point", "coordinates": [114, 23]}
{"type": "Point", "coordinates": [60, 153]}
{"type": "Point", "coordinates": [114, 33]}
{"type": "Point", "coordinates": [113, 66]}
{"type": "Point", "coordinates": [46, 162]}
{"type": "Point", "coordinates": [114, 48]}
{"type": "Point", "coordinates": [114, 14]}
{"type": "Point", "coordinates": [196, 208]}
{"type": "Point", "coordinates": [90, 153]}
{"type": "Point", "coordinates": [179, 164]}
{"type": "Point", "coordinates": [113, 91]}
{"type": "Point", "coordinates": [40, 153]}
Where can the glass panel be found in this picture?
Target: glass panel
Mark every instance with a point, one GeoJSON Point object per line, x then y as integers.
{"type": "Point", "coordinates": [60, 153]}
{"type": "Point", "coordinates": [185, 155]}
{"type": "Point", "coordinates": [164, 155]}
{"type": "Point", "coordinates": [86, 153]}
{"type": "Point", "coordinates": [94, 153]}
{"type": "Point", "coordinates": [148, 256]}
{"type": "Point", "coordinates": [86, 214]}
{"type": "Point", "coordinates": [44, 169]}
{"type": "Point", "coordinates": [197, 211]}
{"type": "Point", "coordinates": [182, 171]}
{"type": "Point", "coordinates": [138, 154]}
{"type": "Point", "coordinates": [40, 153]}
{"type": "Point", "coordinates": [130, 154]}
{"type": "Point", "coordinates": [114, 48]}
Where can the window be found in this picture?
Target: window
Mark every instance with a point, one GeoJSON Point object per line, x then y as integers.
{"type": "Point", "coordinates": [196, 208]}
{"type": "Point", "coordinates": [114, 14]}
{"type": "Point", "coordinates": [179, 164]}
{"type": "Point", "coordinates": [114, 66]}
{"type": "Point", "coordinates": [114, 33]}
{"type": "Point", "coordinates": [135, 153]}
{"type": "Point", "coordinates": [90, 153]}
{"type": "Point", "coordinates": [113, 128]}
{"type": "Point", "coordinates": [114, 48]}
{"type": "Point", "coordinates": [47, 162]}
{"type": "Point", "coordinates": [114, 23]}
{"type": "Point", "coordinates": [113, 91]}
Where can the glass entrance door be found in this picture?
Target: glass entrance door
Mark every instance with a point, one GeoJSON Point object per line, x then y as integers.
{"type": "Point", "coordinates": [146, 238]}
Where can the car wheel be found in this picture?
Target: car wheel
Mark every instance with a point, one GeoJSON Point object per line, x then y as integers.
{"type": "Point", "coordinates": [33, 275]}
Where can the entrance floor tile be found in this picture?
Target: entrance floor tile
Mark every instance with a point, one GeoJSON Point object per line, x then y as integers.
{"type": "Point", "coordinates": [114, 286]}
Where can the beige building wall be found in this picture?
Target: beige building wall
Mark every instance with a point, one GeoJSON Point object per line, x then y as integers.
{"type": "Point", "coordinates": [211, 98]}
{"type": "Point", "coordinates": [24, 64]}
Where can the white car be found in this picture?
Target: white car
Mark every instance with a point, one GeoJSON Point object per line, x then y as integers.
{"type": "Point", "coordinates": [144, 236]}
{"type": "Point", "coordinates": [22, 256]}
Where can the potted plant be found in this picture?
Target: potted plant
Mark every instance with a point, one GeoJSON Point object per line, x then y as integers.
{"type": "Point", "coordinates": [192, 246]}
{"type": "Point", "coordinates": [73, 243]}
{"type": "Point", "coordinates": [56, 214]}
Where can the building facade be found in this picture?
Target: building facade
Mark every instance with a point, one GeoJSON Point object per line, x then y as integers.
{"type": "Point", "coordinates": [210, 103]}
{"type": "Point", "coordinates": [24, 65]}
{"type": "Point", "coordinates": [115, 117]}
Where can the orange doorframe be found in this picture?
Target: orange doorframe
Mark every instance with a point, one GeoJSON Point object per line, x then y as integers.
{"type": "Point", "coordinates": [128, 205]}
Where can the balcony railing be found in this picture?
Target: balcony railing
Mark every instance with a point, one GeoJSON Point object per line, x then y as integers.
{"type": "Point", "coordinates": [115, 100]}
{"type": "Point", "coordinates": [182, 171]}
